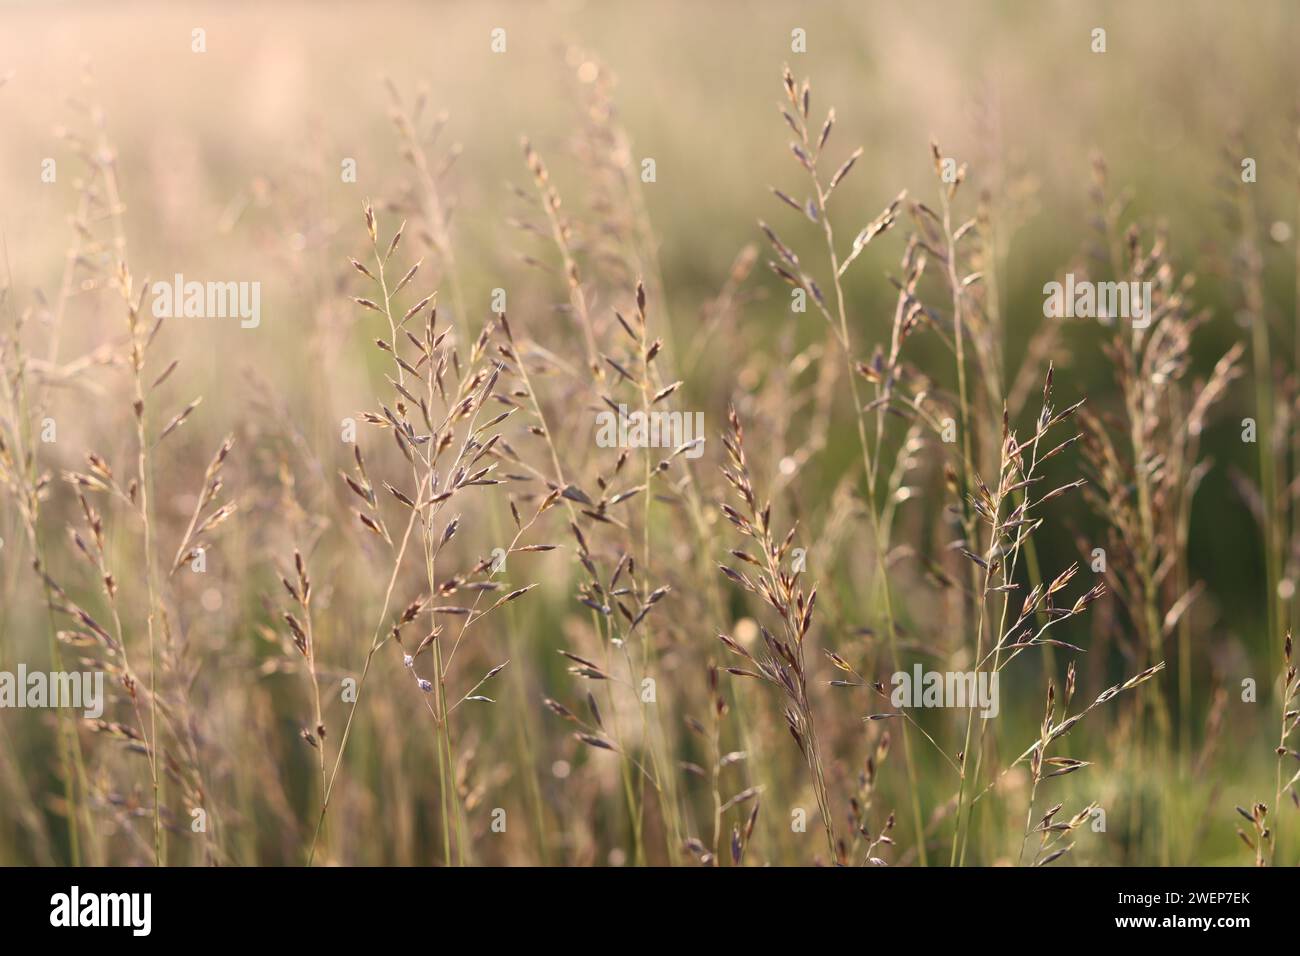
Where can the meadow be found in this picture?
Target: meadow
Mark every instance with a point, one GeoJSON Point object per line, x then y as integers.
{"type": "Point", "coordinates": [576, 434]}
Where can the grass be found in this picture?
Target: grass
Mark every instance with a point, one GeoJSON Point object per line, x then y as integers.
{"type": "Point", "coordinates": [409, 611]}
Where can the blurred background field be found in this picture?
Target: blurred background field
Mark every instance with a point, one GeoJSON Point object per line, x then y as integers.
{"type": "Point", "coordinates": [229, 167]}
